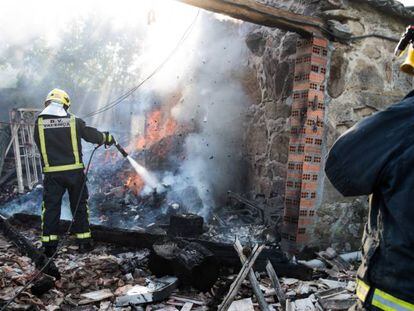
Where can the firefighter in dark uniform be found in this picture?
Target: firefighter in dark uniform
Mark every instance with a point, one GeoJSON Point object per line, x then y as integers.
{"type": "Point", "coordinates": [376, 157]}
{"type": "Point", "coordinates": [58, 135]}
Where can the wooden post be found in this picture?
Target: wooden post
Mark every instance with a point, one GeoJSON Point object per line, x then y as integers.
{"type": "Point", "coordinates": [252, 278]}
{"type": "Point", "coordinates": [234, 288]}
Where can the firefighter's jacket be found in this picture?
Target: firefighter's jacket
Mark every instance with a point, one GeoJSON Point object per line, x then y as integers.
{"type": "Point", "coordinates": [58, 139]}
{"type": "Point", "coordinates": [376, 156]}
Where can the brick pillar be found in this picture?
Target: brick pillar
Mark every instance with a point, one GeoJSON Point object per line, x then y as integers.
{"type": "Point", "coordinates": [305, 144]}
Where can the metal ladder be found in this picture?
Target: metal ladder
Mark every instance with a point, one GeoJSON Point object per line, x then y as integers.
{"type": "Point", "coordinates": [27, 157]}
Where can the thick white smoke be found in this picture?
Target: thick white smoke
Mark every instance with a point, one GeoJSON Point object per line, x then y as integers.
{"type": "Point", "coordinates": [213, 98]}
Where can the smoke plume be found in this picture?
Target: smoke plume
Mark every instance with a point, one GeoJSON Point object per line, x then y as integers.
{"type": "Point", "coordinates": [97, 59]}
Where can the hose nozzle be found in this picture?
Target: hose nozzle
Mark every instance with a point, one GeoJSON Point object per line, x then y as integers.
{"type": "Point", "coordinates": [405, 40]}
{"type": "Point", "coordinates": [121, 150]}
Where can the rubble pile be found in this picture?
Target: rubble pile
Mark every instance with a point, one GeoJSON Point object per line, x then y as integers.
{"type": "Point", "coordinates": [117, 278]}
{"type": "Point", "coordinates": [96, 279]}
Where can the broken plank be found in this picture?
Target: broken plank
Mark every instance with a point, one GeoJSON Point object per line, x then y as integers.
{"type": "Point", "coordinates": [330, 292]}
{"type": "Point", "coordinates": [276, 284]}
{"type": "Point", "coordinates": [336, 262]}
{"type": "Point", "coordinates": [242, 305]}
{"type": "Point", "coordinates": [187, 306]}
{"type": "Point", "coordinates": [337, 304]}
{"type": "Point", "coordinates": [289, 305]}
{"type": "Point", "coordinates": [185, 299]}
{"type": "Point", "coordinates": [252, 278]}
{"type": "Point", "coordinates": [235, 286]}
{"type": "Point", "coordinates": [98, 295]}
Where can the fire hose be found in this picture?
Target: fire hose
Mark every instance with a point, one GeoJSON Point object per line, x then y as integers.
{"type": "Point", "coordinates": [49, 261]}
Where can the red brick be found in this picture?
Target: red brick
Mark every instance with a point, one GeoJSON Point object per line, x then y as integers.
{"type": "Point", "coordinates": [309, 53]}
{"type": "Point", "coordinates": [320, 42]}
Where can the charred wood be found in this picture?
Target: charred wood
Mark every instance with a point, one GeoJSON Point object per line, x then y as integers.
{"type": "Point", "coordinates": [129, 266]}
{"type": "Point", "coordinates": [262, 14]}
{"type": "Point", "coordinates": [186, 225]}
{"type": "Point", "coordinates": [224, 252]}
{"type": "Point", "coordinates": [42, 286]}
{"type": "Point", "coordinates": [7, 176]}
{"type": "Point", "coordinates": [248, 203]}
{"type": "Point", "coordinates": [192, 263]}
{"type": "Point", "coordinates": [276, 284]}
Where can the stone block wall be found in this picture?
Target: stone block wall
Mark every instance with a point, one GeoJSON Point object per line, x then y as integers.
{"type": "Point", "coordinates": [363, 78]}
{"type": "Point", "coordinates": [272, 61]}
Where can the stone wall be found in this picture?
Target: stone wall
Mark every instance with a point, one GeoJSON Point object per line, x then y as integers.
{"type": "Point", "coordinates": [267, 137]}
{"type": "Point", "coordinates": [363, 78]}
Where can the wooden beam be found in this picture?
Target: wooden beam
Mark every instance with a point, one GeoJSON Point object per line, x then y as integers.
{"type": "Point", "coordinates": [258, 13]}
{"type": "Point", "coordinates": [276, 284]}
{"type": "Point", "coordinates": [224, 252]}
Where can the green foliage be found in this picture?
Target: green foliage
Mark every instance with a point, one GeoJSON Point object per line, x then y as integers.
{"type": "Point", "coordinates": [92, 62]}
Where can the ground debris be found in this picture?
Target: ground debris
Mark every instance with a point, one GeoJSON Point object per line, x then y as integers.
{"type": "Point", "coordinates": [100, 280]}
{"type": "Point", "coordinates": [95, 296]}
{"type": "Point", "coordinates": [242, 305]}
{"type": "Point", "coordinates": [155, 290]}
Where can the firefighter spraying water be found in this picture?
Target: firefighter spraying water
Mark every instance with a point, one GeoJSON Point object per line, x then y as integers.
{"type": "Point", "coordinates": [58, 135]}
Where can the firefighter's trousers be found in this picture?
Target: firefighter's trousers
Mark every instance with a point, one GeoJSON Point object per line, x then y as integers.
{"type": "Point", "coordinates": [55, 185]}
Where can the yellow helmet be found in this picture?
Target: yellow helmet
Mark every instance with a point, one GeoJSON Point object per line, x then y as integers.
{"type": "Point", "coordinates": [60, 96]}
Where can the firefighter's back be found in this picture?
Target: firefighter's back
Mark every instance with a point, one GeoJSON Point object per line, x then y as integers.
{"type": "Point", "coordinates": [59, 143]}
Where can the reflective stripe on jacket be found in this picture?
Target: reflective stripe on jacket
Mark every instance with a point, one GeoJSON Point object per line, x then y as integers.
{"type": "Point", "coordinates": [381, 299]}
{"type": "Point", "coordinates": [376, 157]}
{"type": "Point", "coordinates": [59, 141]}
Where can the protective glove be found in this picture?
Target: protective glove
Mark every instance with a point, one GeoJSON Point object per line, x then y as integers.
{"type": "Point", "coordinates": [109, 139]}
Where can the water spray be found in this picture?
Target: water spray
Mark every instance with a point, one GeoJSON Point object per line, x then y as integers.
{"type": "Point", "coordinates": [148, 177]}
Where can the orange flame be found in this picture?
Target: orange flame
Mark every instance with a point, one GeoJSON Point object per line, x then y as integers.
{"type": "Point", "coordinates": [135, 183]}
{"type": "Point", "coordinates": [158, 126]}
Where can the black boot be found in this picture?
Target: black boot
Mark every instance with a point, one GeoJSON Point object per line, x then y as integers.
{"type": "Point", "coordinates": [50, 250]}
{"type": "Point", "coordinates": [85, 246]}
